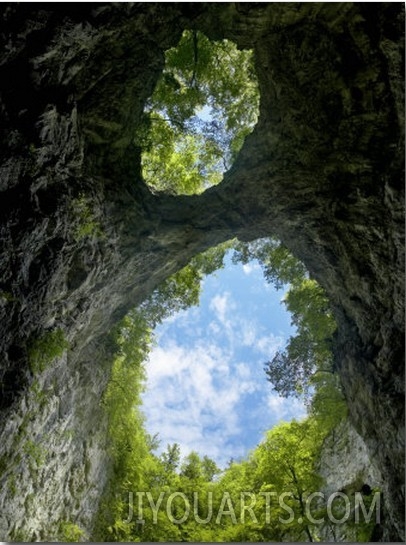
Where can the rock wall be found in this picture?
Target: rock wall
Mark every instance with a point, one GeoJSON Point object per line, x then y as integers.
{"type": "Point", "coordinates": [83, 240]}
{"type": "Point", "coordinates": [346, 466]}
{"type": "Point", "coordinates": [54, 463]}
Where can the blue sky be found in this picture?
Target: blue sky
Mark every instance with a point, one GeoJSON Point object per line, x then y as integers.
{"type": "Point", "coordinates": [206, 387]}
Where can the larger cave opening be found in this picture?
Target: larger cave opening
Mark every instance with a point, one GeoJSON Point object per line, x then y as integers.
{"type": "Point", "coordinates": [188, 391]}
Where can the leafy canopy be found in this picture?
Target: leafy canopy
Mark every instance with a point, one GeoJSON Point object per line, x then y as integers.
{"type": "Point", "coordinates": [203, 106]}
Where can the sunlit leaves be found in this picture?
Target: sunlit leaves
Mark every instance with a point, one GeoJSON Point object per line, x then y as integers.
{"type": "Point", "coordinates": [203, 106]}
{"type": "Point", "coordinates": [179, 162]}
{"type": "Point", "coordinates": [178, 292]}
{"type": "Point", "coordinates": [286, 462]}
{"type": "Point", "coordinates": [308, 352]}
{"type": "Point", "coordinates": [171, 458]}
{"type": "Point", "coordinates": [122, 398]}
{"type": "Point", "coordinates": [310, 309]}
{"type": "Point", "coordinates": [327, 404]}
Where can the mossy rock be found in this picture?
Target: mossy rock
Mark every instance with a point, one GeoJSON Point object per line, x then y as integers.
{"type": "Point", "coordinates": [45, 349]}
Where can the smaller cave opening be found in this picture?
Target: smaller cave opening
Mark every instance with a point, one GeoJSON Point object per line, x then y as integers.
{"type": "Point", "coordinates": [366, 490]}
{"type": "Point", "coordinates": [204, 105]}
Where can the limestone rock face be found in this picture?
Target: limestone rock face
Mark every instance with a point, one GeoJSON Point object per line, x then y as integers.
{"type": "Point", "coordinates": [346, 466]}
{"type": "Point", "coordinates": [345, 459]}
{"type": "Point", "coordinates": [83, 240]}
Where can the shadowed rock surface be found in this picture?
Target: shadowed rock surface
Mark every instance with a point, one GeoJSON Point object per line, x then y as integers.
{"type": "Point", "coordinates": [83, 239]}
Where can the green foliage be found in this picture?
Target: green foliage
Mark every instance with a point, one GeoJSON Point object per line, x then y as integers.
{"type": "Point", "coordinates": [171, 458]}
{"type": "Point", "coordinates": [204, 105]}
{"type": "Point", "coordinates": [309, 307]}
{"type": "Point", "coordinates": [192, 467]}
{"type": "Point", "coordinates": [45, 349]}
{"type": "Point", "coordinates": [128, 441]}
{"type": "Point", "coordinates": [308, 352]}
{"type": "Point", "coordinates": [122, 397]}
{"type": "Point", "coordinates": [285, 463]}
{"type": "Point", "coordinates": [86, 223]}
{"type": "Point", "coordinates": [178, 292]}
{"type": "Point", "coordinates": [177, 162]}
{"type": "Point", "coordinates": [35, 453]}
{"type": "Point", "coordinates": [327, 403]}
{"type": "Point", "coordinates": [279, 266]}
{"type": "Point", "coordinates": [70, 532]}
{"type": "Point", "coordinates": [209, 469]}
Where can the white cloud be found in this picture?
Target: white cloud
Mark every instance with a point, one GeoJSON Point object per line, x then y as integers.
{"type": "Point", "coordinates": [249, 333]}
{"type": "Point", "coordinates": [252, 267]}
{"type": "Point", "coordinates": [285, 408]}
{"type": "Point", "coordinates": [214, 328]}
{"type": "Point", "coordinates": [269, 345]}
{"type": "Point", "coordinates": [196, 394]}
{"type": "Point", "coordinates": [220, 305]}
{"type": "Point", "coordinates": [192, 397]}
{"type": "Point", "coordinates": [243, 371]}
{"type": "Point", "coordinates": [206, 388]}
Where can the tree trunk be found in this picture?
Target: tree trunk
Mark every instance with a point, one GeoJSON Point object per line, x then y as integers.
{"type": "Point", "coordinates": [83, 239]}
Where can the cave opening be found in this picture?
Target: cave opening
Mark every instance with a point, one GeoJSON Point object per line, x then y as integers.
{"type": "Point", "coordinates": [188, 402]}
{"type": "Point", "coordinates": [204, 105]}
{"type": "Point", "coordinates": [246, 315]}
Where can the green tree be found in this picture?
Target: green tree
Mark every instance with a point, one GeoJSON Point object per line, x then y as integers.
{"type": "Point", "coordinates": [209, 469]}
{"type": "Point", "coordinates": [192, 467]}
{"type": "Point", "coordinates": [182, 289]}
{"type": "Point", "coordinates": [327, 403]}
{"type": "Point", "coordinates": [308, 352]}
{"type": "Point", "coordinates": [279, 266]}
{"type": "Point", "coordinates": [129, 444]}
{"type": "Point", "coordinates": [171, 458]}
{"type": "Point", "coordinates": [285, 463]}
